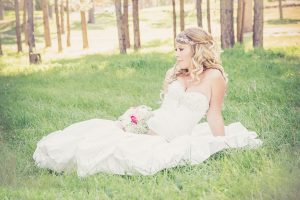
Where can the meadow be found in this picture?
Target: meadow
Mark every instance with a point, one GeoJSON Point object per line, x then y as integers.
{"type": "Point", "coordinates": [262, 94]}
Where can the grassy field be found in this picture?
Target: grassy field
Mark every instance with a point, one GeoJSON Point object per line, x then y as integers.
{"type": "Point", "coordinates": [39, 99]}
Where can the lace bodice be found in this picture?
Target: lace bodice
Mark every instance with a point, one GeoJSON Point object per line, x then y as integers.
{"type": "Point", "coordinates": [179, 112]}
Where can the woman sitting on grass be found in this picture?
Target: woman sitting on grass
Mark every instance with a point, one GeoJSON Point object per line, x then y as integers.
{"type": "Point", "coordinates": [144, 142]}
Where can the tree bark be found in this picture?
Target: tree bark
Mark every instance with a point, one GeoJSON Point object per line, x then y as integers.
{"type": "Point", "coordinates": [199, 12]}
{"type": "Point", "coordinates": [136, 24]}
{"type": "Point", "coordinates": [33, 57]}
{"type": "Point", "coordinates": [85, 42]}
{"type": "Point", "coordinates": [25, 25]}
{"type": "Point", "coordinates": [58, 29]}
{"type": "Point", "coordinates": [126, 24]}
{"type": "Point", "coordinates": [68, 24]}
{"type": "Point", "coordinates": [240, 20]}
{"type": "Point", "coordinates": [258, 23]}
{"type": "Point", "coordinates": [50, 9]}
{"type": "Point", "coordinates": [121, 33]}
{"type": "Point", "coordinates": [208, 16]}
{"type": "Point", "coordinates": [181, 15]}
{"type": "Point", "coordinates": [1, 52]}
{"type": "Point", "coordinates": [18, 29]}
{"type": "Point", "coordinates": [30, 26]}
{"type": "Point", "coordinates": [92, 14]}
{"type": "Point", "coordinates": [1, 10]}
{"type": "Point", "coordinates": [280, 9]}
{"type": "Point", "coordinates": [46, 23]}
{"type": "Point", "coordinates": [227, 33]}
{"type": "Point", "coordinates": [248, 16]}
{"type": "Point", "coordinates": [174, 21]}
{"type": "Point", "coordinates": [62, 12]}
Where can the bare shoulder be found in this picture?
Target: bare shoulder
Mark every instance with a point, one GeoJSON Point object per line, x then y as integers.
{"type": "Point", "coordinates": [215, 75]}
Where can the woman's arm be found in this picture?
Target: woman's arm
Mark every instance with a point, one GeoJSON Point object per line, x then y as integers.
{"type": "Point", "coordinates": [214, 113]}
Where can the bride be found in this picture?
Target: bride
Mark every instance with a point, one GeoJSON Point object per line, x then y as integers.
{"type": "Point", "coordinates": [193, 88]}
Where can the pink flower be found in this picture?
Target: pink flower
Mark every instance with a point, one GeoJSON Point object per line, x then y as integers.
{"type": "Point", "coordinates": [133, 119]}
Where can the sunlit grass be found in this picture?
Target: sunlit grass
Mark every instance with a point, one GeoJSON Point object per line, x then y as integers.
{"type": "Point", "coordinates": [38, 99]}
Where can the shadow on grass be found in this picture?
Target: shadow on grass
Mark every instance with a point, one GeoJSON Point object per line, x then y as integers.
{"type": "Point", "coordinates": [102, 21]}
{"type": "Point", "coordinates": [283, 21]}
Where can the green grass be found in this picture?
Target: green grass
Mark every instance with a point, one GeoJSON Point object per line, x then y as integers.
{"type": "Point", "coordinates": [283, 21]}
{"type": "Point", "coordinates": [263, 94]}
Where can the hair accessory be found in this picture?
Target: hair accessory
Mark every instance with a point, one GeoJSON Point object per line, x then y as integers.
{"type": "Point", "coordinates": [183, 38]}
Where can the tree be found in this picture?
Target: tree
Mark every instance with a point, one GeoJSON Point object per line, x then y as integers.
{"type": "Point", "coordinates": [121, 33]}
{"type": "Point", "coordinates": [85, 42]}
{"type": "Point", "coordinates": [258, 23]}
{"type": "Point", "coordinates": [280, 9]}
{"type": "Point", "coordinates": [181, 15]}
{"type": "Point", "coordinates": [50, 10]}
{"type": "Point", "coordinates": [46, 23]}
{"type": "Point", "coordinates": [18, 30]}
{"type": "Point", "coordinates": [58, 30]}
{"type": "Point", "coordinates": [240, 20]}
{"type": "Point", "coordinates": [208, 16]}
{"type": "Point", "coordinates": [30, 27]}
{"type": "Point", "coordinates": [33, 57]}
{"type": "Point", "coordinates": [227, 33]}
{"type": "Point", "coordinates": [24, 26]}
{"type": "Point", "coordinates": [62, 11]}
{"type": "Point", "coordinates": [92, 13]}
{"type": "Point", "coordinates": [174, 21]}
{"type": "Point", "coordinates": [248, 16]}
{"type": "Point", "coordinates": [136, 26]}
{"type": "Point", "coordinates": [125, 22]}
{"type": "Point", "coordinates": [1, 10]}
{"type": "Point", "coordinates": [68, 24]}
{"type": "Point", "coordinates": [199, 12]}
{"type": "Point", "coordinates": [1, 52]}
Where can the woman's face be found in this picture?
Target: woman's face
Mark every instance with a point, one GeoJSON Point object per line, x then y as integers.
{"type": "Point", "coordinates": [183, 54]}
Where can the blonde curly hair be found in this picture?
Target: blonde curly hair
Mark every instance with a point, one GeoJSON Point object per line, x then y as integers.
{"type": "Point", "coordinates": [206, 54]}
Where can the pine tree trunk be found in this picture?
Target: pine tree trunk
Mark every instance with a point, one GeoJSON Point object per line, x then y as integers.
{"type": "Point", "coordinates": [208, 16]}
{"type": "Point", "coordinates": [280, 9]}
{"type": "Point", "coordinates": [1, 52]}
{"type": "Point", "coordinates": [199, 12]}
{"type": "Point", "coordinates": [181, 15]}
{"type": "Point", "coordinates": [18, 29]}
{"type": "Point", "coordinates": [92, 14]}
{"type": "Point", "coordinates": [50, 9]}
{"type": "Point", "coordinates": [136, 25]}
{"type": "Point", "coordinates": [240, 20]}
{"type": "Point", "coordinates": [33, 57]}
{"type": "Point", "coordinates": [68, 24]}
{"type": "Point", "coordinates": [62, 12]}
{"type": "Point", "coordinates": [24, 25]}
{"type": "Point", "coordinates": [174, 21]}
{"type": "Point", "coordinates": [1, 10]}
{"type": "Point", "coordinates": [46, 23]}
{"type": "Point", "coordinates": [258, 23]}
{"type": "Point", "coordinates": [125, 22]}
{"type": "Point", "coordinates": [227, 33]}
{"type": "Point", "coordinates": [58, 29]}
{"type": "Point", "coordinates": [30, 26]}
{"type": "Point", "coordinates": [85, 42]}
{"type": "Point", "coordinates": [121, 33]}
{"type": "Point", "coordinates": [248, 16]}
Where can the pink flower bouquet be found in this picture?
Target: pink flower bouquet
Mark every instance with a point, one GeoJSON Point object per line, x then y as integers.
{"type": "Point", "coordinates": [135, 118]}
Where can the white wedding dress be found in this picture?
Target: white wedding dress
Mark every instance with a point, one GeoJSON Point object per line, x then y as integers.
{"type": "Point", "coordinates": [99, 145]}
